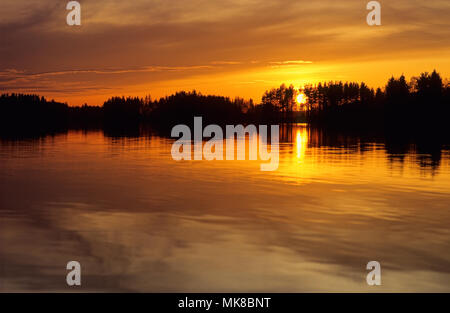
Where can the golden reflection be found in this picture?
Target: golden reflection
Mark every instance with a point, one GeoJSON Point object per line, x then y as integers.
{"type": "Point", "coordinates": [301, 142]}
{"type": "Point", "coordinates": [146, 239]}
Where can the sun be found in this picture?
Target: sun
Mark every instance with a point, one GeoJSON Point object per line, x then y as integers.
{"type": "Point", "coordinates": [301, 98]}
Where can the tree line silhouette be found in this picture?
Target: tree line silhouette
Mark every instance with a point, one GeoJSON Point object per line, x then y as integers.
{"type": "Point", "coordinates": [425, 100]}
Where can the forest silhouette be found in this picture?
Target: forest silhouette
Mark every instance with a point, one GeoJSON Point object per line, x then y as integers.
{"type": "Point", "coordinates": [399, 106]}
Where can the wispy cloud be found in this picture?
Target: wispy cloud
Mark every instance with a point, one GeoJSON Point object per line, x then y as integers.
{"type": "Point", "coordinates": [295, 62]}
{"type": "Point", "coordinates": [226, 62]}
{"type": "Point", "coordinates": [9, 75]}
{"type": "Point", "coordinates": [197, 40]}
{"type": "Point", "coordinates": [276, 64]}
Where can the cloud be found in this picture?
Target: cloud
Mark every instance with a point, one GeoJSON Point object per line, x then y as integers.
{"type": "Point", "coordinates": [202, 38]}
{"type": "Point", "coordinates": [226, 62]}
{"type": "Point", "coordinates": [13, 74]}
{"type": "Point", "coordinates": [289, 63]}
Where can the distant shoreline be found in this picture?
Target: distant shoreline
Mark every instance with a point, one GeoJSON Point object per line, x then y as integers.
{"type": "Point", "coordinates": [424, 102]}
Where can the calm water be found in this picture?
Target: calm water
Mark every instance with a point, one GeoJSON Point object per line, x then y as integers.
{"type": "Point", "coordinates": [138, 221]}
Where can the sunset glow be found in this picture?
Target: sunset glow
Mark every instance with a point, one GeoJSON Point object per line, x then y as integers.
{"type": "Point", "coordinates": [143, 47]}
{"type": "Point", "coordinates": [301, 98]}
{"type": "Point", "coordinates": [205, 149]}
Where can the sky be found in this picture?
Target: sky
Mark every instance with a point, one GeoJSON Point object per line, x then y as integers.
{"type": "Point", "coordinates": [227, 47]}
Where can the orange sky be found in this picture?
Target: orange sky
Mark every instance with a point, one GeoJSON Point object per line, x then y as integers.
{"type": "Point", "coordinates": [227, 47]}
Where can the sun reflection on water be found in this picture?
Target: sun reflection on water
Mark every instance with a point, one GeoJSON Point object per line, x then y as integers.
{"type": "Point", "coordinates": [301, 142]}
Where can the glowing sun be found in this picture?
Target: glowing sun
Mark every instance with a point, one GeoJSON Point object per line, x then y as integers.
{"type": "Point", "coordinates": [301, 98]}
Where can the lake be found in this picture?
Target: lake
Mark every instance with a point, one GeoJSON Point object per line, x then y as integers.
{"type": "Point", "coordinates": [136, 220]}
